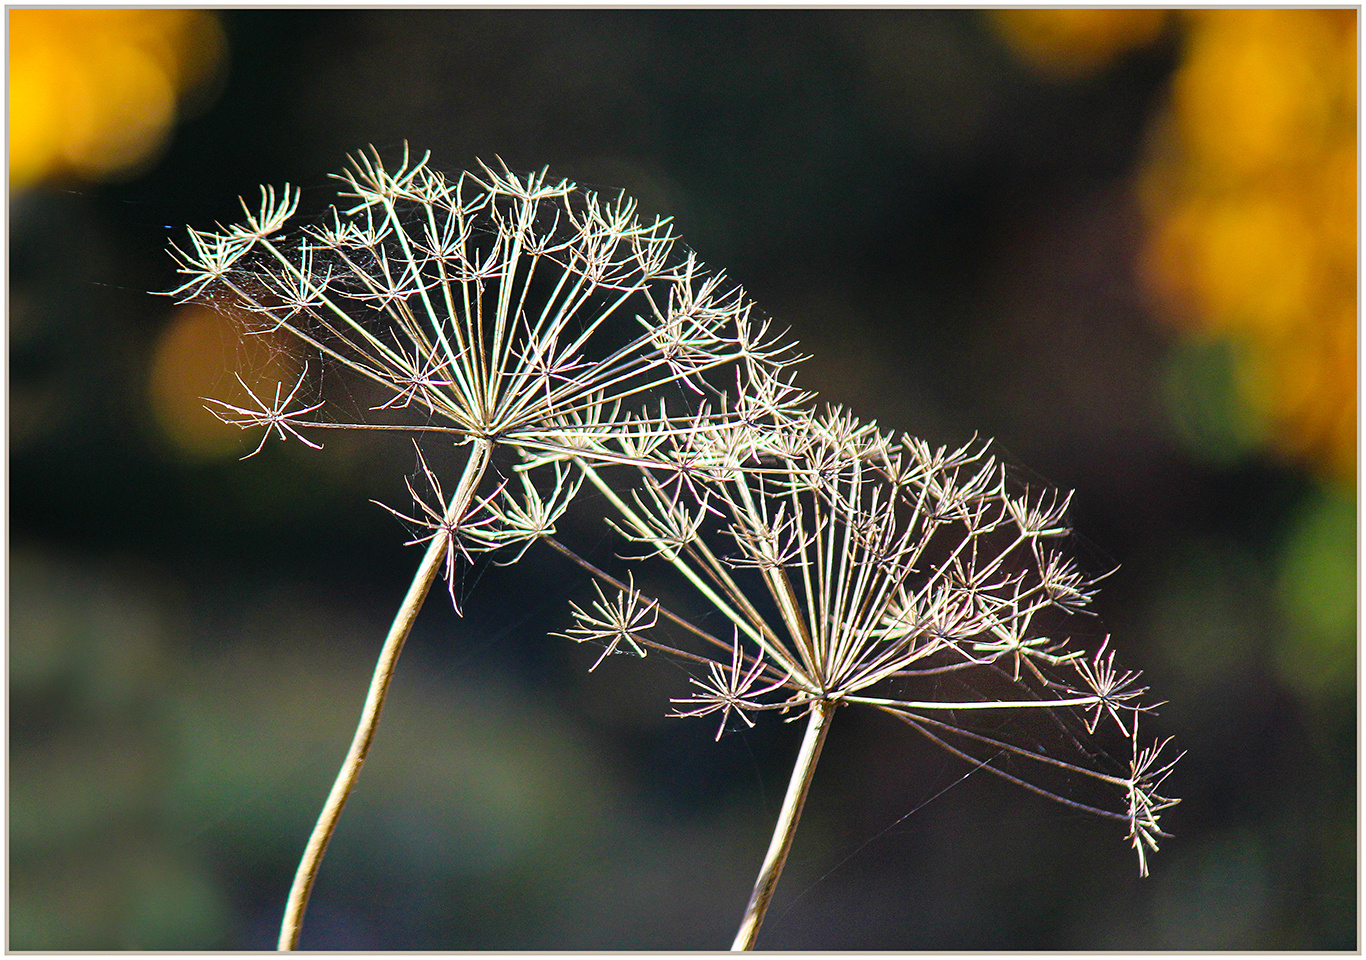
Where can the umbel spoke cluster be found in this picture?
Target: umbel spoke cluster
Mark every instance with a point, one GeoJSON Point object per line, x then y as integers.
{"type": "Point", "coordinates": [493, 306]}
{"type": "Point", "coordinates": [856, 568]}
{"type": "Point", "coordinates": [494, 311]}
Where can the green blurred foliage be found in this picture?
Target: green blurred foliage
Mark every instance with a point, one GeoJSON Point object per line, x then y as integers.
{"type": "Point", "coordinates": [1200, 388]}
{"type": "Point", "coordinates": [1316, 592]}
{"type": "Point", "coordinates": [92, 863]}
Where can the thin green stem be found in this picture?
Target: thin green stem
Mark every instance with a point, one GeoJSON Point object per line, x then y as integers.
{"type": "Point", "coordinates": [818, 725]}
{"type": "Point", "coordinates": [426, 574]}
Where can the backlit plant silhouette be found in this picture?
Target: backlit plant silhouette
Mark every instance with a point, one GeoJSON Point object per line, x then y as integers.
{"type": "Point", "coordinates": [856, 569]}
{"type": "Point", "coordinates": [498, 312]}
{"type": "Point", "coordinates": [492, 310]}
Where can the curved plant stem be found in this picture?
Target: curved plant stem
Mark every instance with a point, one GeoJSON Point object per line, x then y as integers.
{"type": "Point", "coordinates": [426, 574]}
{"type": "Point", "coordinates": [818, 725]}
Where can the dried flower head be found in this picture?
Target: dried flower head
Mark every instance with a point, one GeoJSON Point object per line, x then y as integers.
{"type": "Point", "coordinates": [491, 310]}
{"type": "Point", "coordinates": [503, 309]}
{"type": "Point", "coordinates": [855, 568]}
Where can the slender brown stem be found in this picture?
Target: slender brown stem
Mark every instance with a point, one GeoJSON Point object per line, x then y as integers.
{"type": "Point", "coordinates": [818, 725]}
{"type": "Point", "coordinates": [292, 925]}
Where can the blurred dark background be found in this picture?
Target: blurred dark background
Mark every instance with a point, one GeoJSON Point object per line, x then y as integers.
{"type": "Point", "coordinates": [1122, 243]}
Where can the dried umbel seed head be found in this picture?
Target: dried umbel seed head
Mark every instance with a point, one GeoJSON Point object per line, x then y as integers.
{"type": "Point", "coordinates": [497, 312]}
{"type": "Point", "coordinates": [855, 568]}
{"type": "Point", "coordinates": [516, 311]}
{"type": "Point", "coordinates": [514, 308]}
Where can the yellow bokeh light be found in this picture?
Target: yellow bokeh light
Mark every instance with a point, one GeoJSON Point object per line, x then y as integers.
{"type": "Point", "coordinates": [1251, 196]}
{"type": "Point", "coordinates": [1254, 260]}
{"type": "Point", "coordinates": [1071, 42]}
{"type": "Point", "coordinates": [94, 92]}
{"type": "Point", "coordinates": [194, 358]}
{"type": "Point", "coordinates": [1255, 90]}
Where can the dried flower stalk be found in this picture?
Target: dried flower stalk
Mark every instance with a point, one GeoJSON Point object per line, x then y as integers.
{"type": "Point", "coordinates": [857, 569]}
